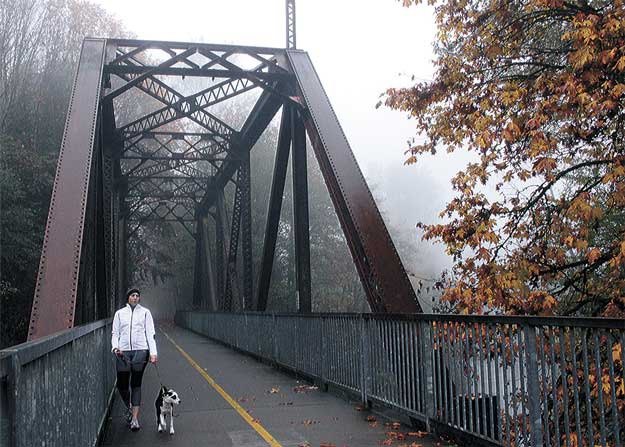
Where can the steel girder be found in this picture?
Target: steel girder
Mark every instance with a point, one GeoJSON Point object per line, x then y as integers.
{"type": "Point", "coordinates": [232, 290]}
{"type": "Point", "coordinates": [300, 212]}
{"type": "Point", "coordinates": [222, 231]}
{"type": "Point", "coordinates": [275, 207]}
{"type": "Point", "coordinates": [385, 281]}
{"type": "Point", "coordinates": [57, 289]}
{"type": "Point", "coordinates": [112, 179]}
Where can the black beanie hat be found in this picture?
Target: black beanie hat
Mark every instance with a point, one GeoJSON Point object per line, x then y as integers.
{"type": "Point", "coordinates": [131, 291]}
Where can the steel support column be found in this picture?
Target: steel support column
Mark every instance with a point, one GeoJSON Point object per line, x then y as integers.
{"type": "Point", "coordinates": [101, 247]}
{"type": "Point", "coordinates": [197, 267]}
{"type": "Point", "coordinates": [109, 153]}
{"type": "Point", "coordinates": [275, 208]}
{"type": "Point", "coordinates": [90, 266]}
{"type": "Point", "coordinates": [122, 253]}
{"type": "Point", "coordinates": [115, 296]}
{"type": "Point", "coordinates": [54, 304]}
{"type": "Point", "coordinates": [247, 300]}
{"type": "Point", "coordinates": [208, 276]}
{"type": "Point", "coordinates": [232, 286]}
{"type": "Point", "coordinates": [300, 213]}
{"type": "Point", "coordinates": [222, 231]}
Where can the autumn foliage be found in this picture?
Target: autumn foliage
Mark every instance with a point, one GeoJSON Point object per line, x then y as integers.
{"type": "Point", "coordinates": [536, 89]}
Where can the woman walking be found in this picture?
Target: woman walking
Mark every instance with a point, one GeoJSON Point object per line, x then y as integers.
{"type": "Point", "coordinates": [133, 344]}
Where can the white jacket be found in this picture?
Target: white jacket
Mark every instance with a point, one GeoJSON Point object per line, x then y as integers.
{"type": "Point", "coordinates": [133, 329]}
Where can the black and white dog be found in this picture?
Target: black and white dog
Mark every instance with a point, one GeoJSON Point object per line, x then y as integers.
{"type": "Point", "coordinates": [165, 402]}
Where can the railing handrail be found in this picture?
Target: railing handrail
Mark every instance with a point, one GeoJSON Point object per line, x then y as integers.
{"type": "Point", "coordinates": [558, 321]}
{"type": "Point", "coordinates": [32, 350]}
{"type": "Point", "coordinates": [85, 351]}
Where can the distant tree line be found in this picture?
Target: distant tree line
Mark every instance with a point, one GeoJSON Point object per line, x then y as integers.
{"type": "Point", "coordinates": [40, 42]}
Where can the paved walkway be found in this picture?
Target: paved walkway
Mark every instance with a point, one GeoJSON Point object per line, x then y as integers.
{"type": "Point", "coordinates": [229, 399]}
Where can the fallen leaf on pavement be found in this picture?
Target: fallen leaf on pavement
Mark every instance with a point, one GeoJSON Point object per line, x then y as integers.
{"type": "Point", "coordinates": [417, 434]}
{"type": "Point", "coordinates": [304, 388]}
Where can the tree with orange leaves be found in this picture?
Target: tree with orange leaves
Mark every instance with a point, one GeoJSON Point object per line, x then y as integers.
{"type": "Point", "coordinates": [536, 89]}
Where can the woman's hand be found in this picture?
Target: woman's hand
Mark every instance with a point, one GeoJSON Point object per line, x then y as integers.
{"type": "Point", "coordinates": [153, 358]}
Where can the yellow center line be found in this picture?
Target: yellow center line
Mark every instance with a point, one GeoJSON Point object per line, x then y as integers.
{"type": "Point", "coordinates": [233, 403]}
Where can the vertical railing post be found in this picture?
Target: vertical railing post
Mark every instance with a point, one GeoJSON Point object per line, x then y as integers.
{"type": "Point", "coordinates": [428, 370]}
{"type": "Point", "coordinates": [533, 387]}
{"type": "Point", "coordinates": [8, 399]}
{"type": "Point", "coordinates": [274, 343]}
{"type": "Point", "coordinates": [365, 369]}
{"type": "Point", "coordinates": [297, 343]}
{"type": "Point", "coordinates": [5, 413]}
{"type": "Point", "coordinates": [324, 349]}
{"type": "Point", "coordinates": [13, 389]}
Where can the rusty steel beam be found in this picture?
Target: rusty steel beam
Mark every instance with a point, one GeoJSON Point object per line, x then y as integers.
{"type": "Point", "coordinates": [111, 148]}
{"type": "Point", "coordinates": [222, 241]}
{"type": "Point", "coordinates": [382, 274]}
{"type": "Point", "coordinates": [145, 71]}
{"type": "Point", "coordinates": [247, 297]}
{"type": "Point", "coordinates": [197, 268]}
{"type": "Point", "coordinates": [208, 282]}
{"type": "Point", "coordinates": [232, 291]}
{"type": "Point", "coordinates": [300, 213]}
{"type": "Point", "coordinates": [274, 208]}
{"type": "Point", "coordinates": [143, 45]}
{"type": "Point", "coordinates": [54, 303]}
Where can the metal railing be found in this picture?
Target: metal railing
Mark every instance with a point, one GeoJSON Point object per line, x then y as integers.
{"type": "Point", "coordinates": [55, 391]}
{"type": "Point", "coordinates": [514, 381]}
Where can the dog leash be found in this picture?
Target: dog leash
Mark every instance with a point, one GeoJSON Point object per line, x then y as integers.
{"type": "Point", "coordinates": [163, 386]}
{"type": "Point", "coordinates": [125, 359]}
{"type": "Point", "coordinates": [158, 374]}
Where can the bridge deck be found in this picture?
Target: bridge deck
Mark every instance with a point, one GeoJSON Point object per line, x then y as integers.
{"type": "Point", "coordinates": [288, 410]}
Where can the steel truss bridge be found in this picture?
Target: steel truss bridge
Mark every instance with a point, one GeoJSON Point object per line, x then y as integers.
{"type": "Point", "coordinates": [112, 177]}
{"type": "Point", "coordinates": [516, 381]}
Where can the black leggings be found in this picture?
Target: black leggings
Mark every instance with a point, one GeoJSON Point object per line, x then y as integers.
{"type": "Point", "coordinates": [130, 367]}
